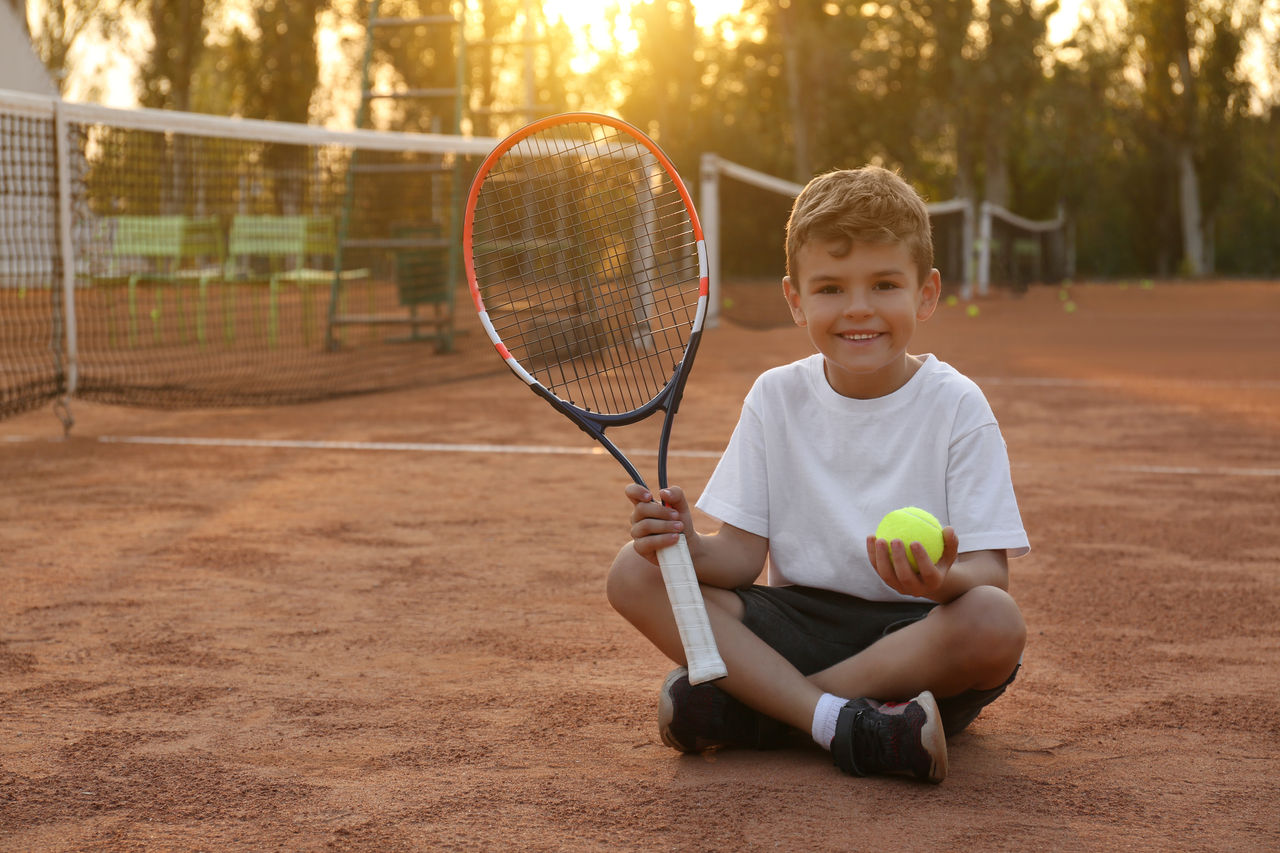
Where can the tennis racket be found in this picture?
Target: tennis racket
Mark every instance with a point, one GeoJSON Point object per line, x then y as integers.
{"type": "Point", "coordinates": [586, 263]}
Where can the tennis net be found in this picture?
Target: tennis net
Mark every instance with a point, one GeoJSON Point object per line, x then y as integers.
{"type": "Point", "coordinates": [744, 214]}
{"type": "Point", "coordinates": [169, 259]}
{"type": "Point", "coordinates": [1015, 252]}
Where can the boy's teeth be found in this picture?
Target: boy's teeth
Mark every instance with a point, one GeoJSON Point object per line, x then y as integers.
{"type": "Point", "coordinates": [866, 337]}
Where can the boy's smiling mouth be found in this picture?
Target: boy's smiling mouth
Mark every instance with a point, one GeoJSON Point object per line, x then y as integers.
{"type": "Point", "coordinates": [859, 336]}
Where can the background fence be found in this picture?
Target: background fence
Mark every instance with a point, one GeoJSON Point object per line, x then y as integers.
{"type": "Point", "coordinates": [165, 259]}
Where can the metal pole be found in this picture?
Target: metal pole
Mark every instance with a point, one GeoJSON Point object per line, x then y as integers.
{"type": "Point", "coordinates": [709, 215]}
{"type": "Point", "coordinates": [66, 249]}
{"type": "Point", "coordinates": [966, 237]}
{"type": "Point", "coordinates": [984, 249]}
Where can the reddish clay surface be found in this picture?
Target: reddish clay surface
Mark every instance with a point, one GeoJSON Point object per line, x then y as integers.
{"type": "Point", "coordinates": [304, 648]}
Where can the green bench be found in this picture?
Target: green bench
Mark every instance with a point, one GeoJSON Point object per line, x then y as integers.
{"type": "Point", "coordinates": [285, 244]}
{"type": "Point", "coordinates": [169, 249]}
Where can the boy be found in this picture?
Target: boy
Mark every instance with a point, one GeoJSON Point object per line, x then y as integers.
{"type": "Point", "coordinates": [846, 641]}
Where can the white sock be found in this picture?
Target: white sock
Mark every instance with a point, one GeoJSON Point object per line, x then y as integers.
{"type": "Point", "coordinates": [824, 719]}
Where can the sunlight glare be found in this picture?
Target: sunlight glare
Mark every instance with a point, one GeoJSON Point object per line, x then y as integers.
{"type": "Point", "coordinates": [590, 25]}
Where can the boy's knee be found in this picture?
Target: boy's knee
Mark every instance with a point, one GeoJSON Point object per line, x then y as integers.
{"type": "Point", "coordinates": [630, 577]}
{"type": "Point", "coordinates": [993, 622]}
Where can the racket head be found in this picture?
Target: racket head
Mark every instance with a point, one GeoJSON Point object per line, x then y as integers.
{"type": "Point", "coordinates": [587, 266]}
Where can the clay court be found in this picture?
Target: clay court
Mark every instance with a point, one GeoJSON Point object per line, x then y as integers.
{"type": "Point", "coordinates": [378, 622]}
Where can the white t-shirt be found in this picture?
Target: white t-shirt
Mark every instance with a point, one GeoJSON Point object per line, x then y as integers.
{"type": "Point", "coordinates": [814, 472]}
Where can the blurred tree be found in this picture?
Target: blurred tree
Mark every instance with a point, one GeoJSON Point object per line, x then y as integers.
{"type": "Point", "coordinates": [260, 65]}
{"type": "Point", "coordinates": [60, 24]}
{"type": "Point", "coordinates": [939, 88]}
{"type": "Point", "coordinates": [518, 69]}
{"type": "Point", "coordinates": [796, 33]}
{"type": "Point", "coordinates": [1139, 122]}
{"type": "Point", "coordinates": [273, 69]}
{"type": "Point", "coordinates": [421, 57]}
{"type": "Point", "coordinates": [496, 18]}
{"type": "Point", "coordinates": [748, 112]}
{"type": "Point", "coordinates": [178, 30]}
{"type": "Point", "coordinates": [1195, 97]}
{"type": "Point", "coordinates": [1145, 124]}
{"type": "Point", "coordinates": [1007, 72]}
{"type": "Point", "coordinates": [1247, 215]}
{"type": "Point", "coordinates": [1088, 133]}
{"type": "Point", "coordinates": [667, 97]}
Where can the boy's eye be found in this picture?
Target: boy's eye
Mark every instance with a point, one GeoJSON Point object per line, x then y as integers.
{"type": "Point", "coordinates": [886, 285]}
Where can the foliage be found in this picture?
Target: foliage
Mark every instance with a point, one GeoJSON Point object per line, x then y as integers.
{"type": "Point", "coordinates": [178, 31]}
{"type": "Point", "coordinates": [965, 97]}
{"type": "Point", "coordinates": [58, 25]}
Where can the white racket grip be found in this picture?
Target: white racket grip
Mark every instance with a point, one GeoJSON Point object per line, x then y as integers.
{"type": "Point", "coordinates": [701, 654]}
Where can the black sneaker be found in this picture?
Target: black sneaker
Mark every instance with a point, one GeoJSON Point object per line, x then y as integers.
{"type": "Point", "coordinates": [693, 718]}
{"type": "Point", "coordinates": [891, 737]}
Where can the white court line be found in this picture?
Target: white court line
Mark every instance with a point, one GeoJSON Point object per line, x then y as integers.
{"type": "Point", "coordinates": [398, 446]}
{"type": "Point", "coordinates": [584, 450]}
{"type": "Point", "coordinates": [1064, 382]}
{"type": "Point", "coordinates": [1192, 471]}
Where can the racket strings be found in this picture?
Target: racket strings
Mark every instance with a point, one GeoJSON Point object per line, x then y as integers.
{"type": "Point", "coordinates": [587, 264]}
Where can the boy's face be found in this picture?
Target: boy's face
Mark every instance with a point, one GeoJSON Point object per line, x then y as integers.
{"type": "Point", "coordinates": [860, 311]}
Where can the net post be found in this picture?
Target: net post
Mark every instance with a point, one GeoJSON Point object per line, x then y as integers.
{"type": "Point", "coordinates": [1068, 243]}
{"type": "Point", "coordinates": [984, 249]}
{"type": "Point", "coordinates": [67, 347]}
{"type": "Point", "coordinates": [966, 237]}
{"type": "Point", "coordinates": [709, 213]}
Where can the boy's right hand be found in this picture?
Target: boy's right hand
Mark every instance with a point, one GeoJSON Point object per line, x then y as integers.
{"type": "Point", "coordinates": [657, 524]}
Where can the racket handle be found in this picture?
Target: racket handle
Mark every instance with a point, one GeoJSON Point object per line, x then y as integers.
{"type": "Point", "coordinates": [701, 655]}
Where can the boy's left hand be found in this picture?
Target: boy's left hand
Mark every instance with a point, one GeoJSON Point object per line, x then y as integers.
{"type": "Point", "coordinates": [893, 567]}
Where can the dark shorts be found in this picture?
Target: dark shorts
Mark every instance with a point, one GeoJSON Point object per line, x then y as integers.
{"type": "Point", "coordinates": [817, 628]}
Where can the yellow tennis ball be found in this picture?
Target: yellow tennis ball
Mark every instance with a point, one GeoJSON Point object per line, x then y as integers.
{"type": "Point", "coordinates": [912, 524]}
{"type": "Point", "coordinates": [972, 310]}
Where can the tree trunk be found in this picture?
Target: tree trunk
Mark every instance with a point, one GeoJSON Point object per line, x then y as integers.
{"type": "Point", "coordinates": [996, 160]}
{"type": "Point", "coordinates": [1189, 204]}
{"type": "Point", "coordinates": [1188, 178]}
{"type": "Point", "coordinates": [799, 124]}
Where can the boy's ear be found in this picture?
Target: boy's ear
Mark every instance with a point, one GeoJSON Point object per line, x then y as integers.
{"type": "Point", "coordinates": [930, 291]}
{"type": "Point", "coordinates": [793, 301]}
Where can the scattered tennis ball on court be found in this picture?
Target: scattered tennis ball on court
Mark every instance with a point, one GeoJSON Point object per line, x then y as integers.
{"type": "Point", "coordinates": [972, 310]}
{"type": "Point", "coordinates": [1147, 284]}
{"type": "Point", "coordinates": [1069, 307]}
{"type": "Point", "coordinates": [727, 303]}
{"type": "Point", "coordinates": [952, 300]}
{"type": "Point", "coordinates": [155, 313]}
{"type": "Point", "coordinates": [912, 524]}
{"type": "Point", "coordinates": [1064, 295]}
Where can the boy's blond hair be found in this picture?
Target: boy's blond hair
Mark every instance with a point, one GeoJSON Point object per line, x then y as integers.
{"type": "Point", "coordinates": [866, 205]}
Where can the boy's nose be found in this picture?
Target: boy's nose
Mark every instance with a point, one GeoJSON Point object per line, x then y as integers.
{"type": "Point", "coordinates": [857, 304]}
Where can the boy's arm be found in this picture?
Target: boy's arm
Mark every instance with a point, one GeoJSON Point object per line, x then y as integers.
{"type": "Point", "coordinates": [729, 558]}
{"type": "Point", "coordinates": [976, 568]}
{"type": "Point", "coordinates": [952, 576]}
